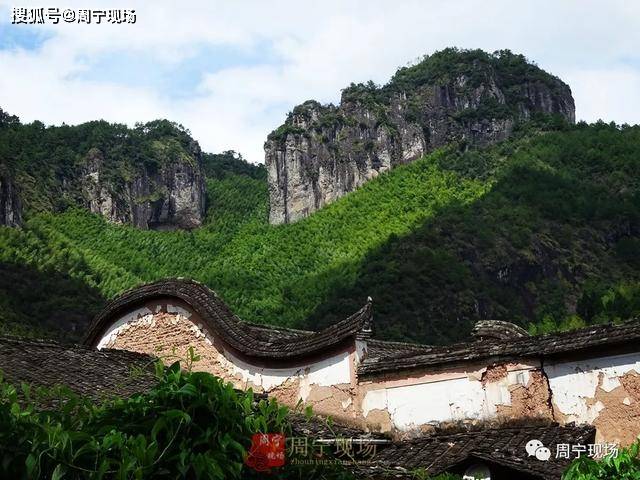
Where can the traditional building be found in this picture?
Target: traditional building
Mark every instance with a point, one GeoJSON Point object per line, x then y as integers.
{"type": "Point", "coordinates": [587, 377]}
{"type": "Point", "coordinates": [498, 453]}
{"type": "Point", "coordinates": [92, 373]}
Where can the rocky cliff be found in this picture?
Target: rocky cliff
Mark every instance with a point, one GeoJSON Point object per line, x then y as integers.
{"type": "Point", "coordinates": [322, 152]}
{"type": "Point", "coordinates": [10, 207]}
{"type": "Point", "coordinates": [150, 177]}
{"type": "Point", "coordinates": [168, 196]}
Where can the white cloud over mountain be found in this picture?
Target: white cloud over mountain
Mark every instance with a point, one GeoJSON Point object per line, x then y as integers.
{"type": "Point", "coordinates": [231, 70]}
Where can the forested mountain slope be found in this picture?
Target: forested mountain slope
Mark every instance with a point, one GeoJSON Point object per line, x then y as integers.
{"type": "Point", "coordinates": [537, 229]}
{"type": "Point", "coordinates": [473, 97]}
{"type": "Point", "coordinates": [149, 176]}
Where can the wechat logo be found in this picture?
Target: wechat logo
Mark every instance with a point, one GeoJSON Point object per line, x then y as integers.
{"type": "Point", "coordinates": [535, 448]}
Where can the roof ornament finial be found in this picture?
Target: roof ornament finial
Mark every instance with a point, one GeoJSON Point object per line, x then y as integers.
{"type": "Point", "coordinates": [497, 330]}
{"type": "Point", "coordinates": [367, 326]}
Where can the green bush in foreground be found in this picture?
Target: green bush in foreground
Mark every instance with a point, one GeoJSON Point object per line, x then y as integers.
{"type": "Point", "coordinates": [191, 425]}
{"type": "Point", "coordinates": [625, 466]}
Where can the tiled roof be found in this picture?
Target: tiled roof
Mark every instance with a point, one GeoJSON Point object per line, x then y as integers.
{"type": "Point", "coordinates": [269, 333]}
{"type": "Point", "coordinates": [116, 372]}
{"type": "Point", "coordinates": [89, 372]}
{"type": "Point", "coordinates": [500, 445]}
{"type": "Point", "coordinates": [386, 349]}
{"type": "Point", "coordinates": [586, 339]}
{"type": "Point", "coordinates": [321, 427]}
{"type": "Point", "coordinates": [249, 339]}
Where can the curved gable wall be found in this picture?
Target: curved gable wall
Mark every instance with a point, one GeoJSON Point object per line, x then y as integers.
{"type": "Point", "coordinates": [167, 327]}
{"type": "Point", "coordinates": [320, 368]}
{"type": "Point", "coordinates": [275, 344]}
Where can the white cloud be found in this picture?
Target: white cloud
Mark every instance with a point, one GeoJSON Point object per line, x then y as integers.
{"type": "Point", "coordinates": [606, 94]}
{"type": "Point", "coordinates": [321, 47]}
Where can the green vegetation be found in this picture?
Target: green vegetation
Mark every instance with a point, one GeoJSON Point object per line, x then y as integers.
{"type": "Point", "coordinates": [625, 466]}
{"type": "Point", "coordinates": [280, 133]}
{"type": "Point", "coordinates": [220, 165]}
{"type": "Point", "coordinates": [191, 425]}
{"type": "Point", "coordinates": [539, 230]}
{"type": "Point", "coordinates": [45, 303]}
{"type": "Point", "coordinates": [45, 161]}
{"type": "Point", "coordinates": [548, 243]}
{"type": "Point", "coordinates": [444, 67]}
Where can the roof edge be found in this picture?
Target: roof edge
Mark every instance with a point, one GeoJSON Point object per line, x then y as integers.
{"type": "Point", "coordinates": [221, 321]}
{"type": "Point", "coordinates": [553, 345]}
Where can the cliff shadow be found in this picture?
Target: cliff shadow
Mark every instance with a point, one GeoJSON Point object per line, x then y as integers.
{"type": "Point", "coordinates": [45, 303]}
{"type": "Point", "coordinates": [521, 251]}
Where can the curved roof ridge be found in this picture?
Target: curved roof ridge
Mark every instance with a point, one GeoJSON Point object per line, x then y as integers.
{"type": "Point", "coordinates": [279, 328]}
{"type": "Point", "coordinates": [217, 316]}
{"type": "Point", "coordinates": [592, 337]}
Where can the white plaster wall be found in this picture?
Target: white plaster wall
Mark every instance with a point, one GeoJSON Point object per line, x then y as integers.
{"type": "Point", "coordinates": [333, 370]}
{"type": "Point", "coordinates": [446, 400]}
{"type": "Point", "coordinates": [574, 383]}
{"type": "Point", "coordinates": [413, 405]}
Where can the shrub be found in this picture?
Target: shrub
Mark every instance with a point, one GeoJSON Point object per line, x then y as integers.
{"type": "Point", "coordinates": [625, 466]}
{"type": "Point", "coordinates": [191, 425]}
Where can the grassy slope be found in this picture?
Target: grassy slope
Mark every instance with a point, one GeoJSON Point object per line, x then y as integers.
{"type": "Point", "coordinates": [555, 235]}
{"type": "Point", "coordinates": [517, 231]}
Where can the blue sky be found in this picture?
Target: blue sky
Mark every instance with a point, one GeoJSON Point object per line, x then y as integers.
{"type": "Point", "coordinates": [29, 37]}
{"type": "Point", "coordinates": [175, 80]}
{"type": "Point", "coordinates": [231, 70]}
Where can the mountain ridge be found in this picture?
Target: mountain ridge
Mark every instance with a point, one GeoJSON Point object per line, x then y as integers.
{"type": "Point", "coordinates": [149, 176]}
{"type": "Point", "coordinates": [322, 152]}
{"type": "Point", "coordinates": [542, 230]}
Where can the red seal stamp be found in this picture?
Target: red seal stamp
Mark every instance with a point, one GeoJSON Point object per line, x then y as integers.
{"type": "Point", "coordinates": [266, 452]}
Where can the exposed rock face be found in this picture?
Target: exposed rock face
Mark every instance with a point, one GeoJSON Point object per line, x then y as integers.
{"type": "Point", "coordinates": [322, 152]}
{"type": "Point", "coordinates": [151, 176]}
{"type": "Point", "coordinates": [10, 204]}
{"type": "Point", "coordinates": [166, 197]}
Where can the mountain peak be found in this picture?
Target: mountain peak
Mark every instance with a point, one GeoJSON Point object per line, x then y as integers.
{"type": "Point", "coordinates": [469, 96]}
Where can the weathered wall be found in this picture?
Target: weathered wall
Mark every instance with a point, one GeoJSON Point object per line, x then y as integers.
{"type": "Point", "coordinates": [602, 391]}
{"type": "Point", "coordinates": [167, 330]}
{"type": "Point", "coordinates": [458, 395]}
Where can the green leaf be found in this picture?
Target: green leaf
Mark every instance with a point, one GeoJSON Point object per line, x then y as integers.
{"type": "Point", "coordinates": [30, 463]}
{"type": "Point", "coordinates": [58, 472]}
